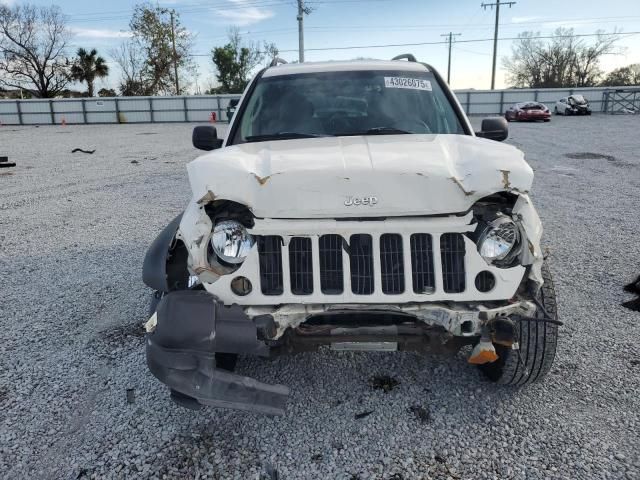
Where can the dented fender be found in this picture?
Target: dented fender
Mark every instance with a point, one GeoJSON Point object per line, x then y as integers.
{"type": "Point", "coordinates": [532, 252]}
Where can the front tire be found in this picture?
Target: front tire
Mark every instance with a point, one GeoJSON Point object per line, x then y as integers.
{"type": "Point", "coordinates": [537, 341]}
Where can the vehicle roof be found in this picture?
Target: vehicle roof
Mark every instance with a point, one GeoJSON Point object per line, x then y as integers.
{"type": "Point", "coordinates": [353, 65]}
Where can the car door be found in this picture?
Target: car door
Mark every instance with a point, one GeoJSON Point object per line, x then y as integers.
{"type": "Point", "coordinates": [561, 106]}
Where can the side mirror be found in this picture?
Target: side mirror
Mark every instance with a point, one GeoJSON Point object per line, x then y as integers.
{"type": "Point", "coordinates": [494, 128]}
{"type": "Point", "coordinates": [206, 138]}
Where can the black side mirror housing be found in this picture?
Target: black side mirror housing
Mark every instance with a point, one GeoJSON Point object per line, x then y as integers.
{"type": "Point", "coordinates": [494, 128]}
{"type": "Point", "coordinates": [206, 138]}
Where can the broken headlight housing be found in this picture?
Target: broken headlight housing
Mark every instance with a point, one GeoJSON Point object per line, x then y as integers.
{"type": "Point", "coordinates": [231, 242]}
{"type": "Point", "coordinates": [499, 243]}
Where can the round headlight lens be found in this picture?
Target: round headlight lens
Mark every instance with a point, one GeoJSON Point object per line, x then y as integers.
{"type": "Point", "coordinates": [231, 242]}
{"type": "Point", "coordinates": [498, 240]}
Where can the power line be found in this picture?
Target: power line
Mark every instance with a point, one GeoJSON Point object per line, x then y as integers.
{"type": "Point", "coordinates": [450, 35]}
{"type": "Point", "coordinates": [495, 36]}
{"type": "Point", "coordinates": [356, 47]}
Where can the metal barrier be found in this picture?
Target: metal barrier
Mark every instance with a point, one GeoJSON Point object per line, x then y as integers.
{"type": "Point", "coordinates": [115, 110]}
{"type": "Point", "coordinates": [622, 100]}
{"type": "Point", "coordinates": [199, 108]}
{"type": "Point", "coordinates": [496, 102]}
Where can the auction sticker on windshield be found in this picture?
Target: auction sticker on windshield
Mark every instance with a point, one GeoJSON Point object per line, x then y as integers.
{"type": "Point", "coordinates": [404, 82]}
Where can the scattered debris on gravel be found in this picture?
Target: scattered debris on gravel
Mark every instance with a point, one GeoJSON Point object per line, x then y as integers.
{"type": "Point", "coordinates": [385, 383]}
{"type": "Point", "coordinates": [633, 287]}
{"type": "Point", "coordinates": [590, 156]}
{"type": "Point", "coordinates": [90, 152]}
{"type": "Point", "coordinates": [72, 242]}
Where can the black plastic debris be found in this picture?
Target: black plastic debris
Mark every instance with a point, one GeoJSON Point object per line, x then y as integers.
{"type": "Point", "coordinates": [421, 413]}
{"type": "Point", "coordinates": [633, 287]}
{"type": "Point", "coordinates": [364, 414]}
{"type": "Point", "coordinates": [317, 457]}
{"type": "Point", "coordinates": [135, 161]}
{"type": "Point", "coordinates": [383, 382]}
{"type": "Point", "coordinates": [90, 152]}
{"type": "Point", "coordinates": [5, 163]}
{"type": "Point", "coordinates": [131, 395]}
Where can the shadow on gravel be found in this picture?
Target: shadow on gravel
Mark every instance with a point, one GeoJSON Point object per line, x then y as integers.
{"type": "Point", "coordinates": [633, 287]}
{"type": "Point", "coordinates": [122, 334]}
{"type": "Point", "coordinates": [590, 156]}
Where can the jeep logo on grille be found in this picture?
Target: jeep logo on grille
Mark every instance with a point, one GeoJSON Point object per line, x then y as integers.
{"type": "Point", "coordinates": [355, 201]}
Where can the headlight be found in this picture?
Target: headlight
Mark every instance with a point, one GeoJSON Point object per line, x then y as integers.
{"type": "Point", "coordinates": [499, 240]}
{"type": "Point", "coordinates": [231, 242]}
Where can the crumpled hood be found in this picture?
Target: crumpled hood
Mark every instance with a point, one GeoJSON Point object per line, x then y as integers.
{"type": "Point", "coordinates": [386, 175]}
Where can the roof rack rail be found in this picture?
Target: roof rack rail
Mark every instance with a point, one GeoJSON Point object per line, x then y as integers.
{"type": "Point", "coordinates": [408, 56]}
{"type": "Point", "coordinates": [277, 61]}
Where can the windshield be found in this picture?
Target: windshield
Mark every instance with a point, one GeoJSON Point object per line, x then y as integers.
{"type": "Point", "coordinates": [346, 103]}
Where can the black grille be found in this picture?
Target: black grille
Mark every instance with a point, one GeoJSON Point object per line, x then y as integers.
{"type": "Point", "coordinates": [331, 271]}
{"type": "Point", "coordinates": [301, 266]}
{"type": "Point", "coordinates": [361, 261]}
{"type": "Point", "coordinates": [392, 263]}
{"type": "Point", "coordinates": [424, 280]}
{"type": "Point", "coordinates": [452, 253]}
{"type": "Point", "coordinates": [270, 251]}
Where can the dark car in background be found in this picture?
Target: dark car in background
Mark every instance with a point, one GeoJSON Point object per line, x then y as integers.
{"type": "Point", "coordinates": [572, 105]}
{"type": "Point", "coordinates": [528, 111]}
{"type": "Point", "coordinates": [231, 108]}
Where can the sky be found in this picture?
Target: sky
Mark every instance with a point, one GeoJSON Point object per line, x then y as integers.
{"type": "Point", "coordinates": [366, 23]}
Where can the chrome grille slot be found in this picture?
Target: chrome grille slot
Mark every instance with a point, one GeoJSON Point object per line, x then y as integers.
{"type": "Point", "coordinates": [452, 253]}
{"type": "Point", "coordinates": [361, 262]}
{"type": "Point", "coordinates": [270, 252]}
{"type": "Point", "coordinates": [391, 263]}
{"type": "Point", "coordinates": [422, 269]}
{"type": "Point", "coordinates": [331, 271]}
{"type": "Point", "coordinates": [301, 266]}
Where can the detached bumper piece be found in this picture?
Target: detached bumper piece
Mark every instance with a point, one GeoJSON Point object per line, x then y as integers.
{"type": "Point", "coordinates": [191, 328]}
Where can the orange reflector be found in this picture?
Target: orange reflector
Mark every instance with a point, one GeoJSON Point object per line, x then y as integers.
{"type": "Point", "coordinates": [484, 352]}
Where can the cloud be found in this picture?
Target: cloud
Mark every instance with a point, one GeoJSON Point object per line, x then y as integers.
{"type": "Point", "coordinates": [243, 15]}
{"type": "Point", "coordinates": [99, 32]}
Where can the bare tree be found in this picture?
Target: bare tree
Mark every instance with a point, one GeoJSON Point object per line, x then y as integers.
{"type": "Point", "coordinates": [130, 57]}
{"type": "Point", "coordinates": [155, 30]}
{"type": "Point", "coordinates": [33, 41]}
{"type": "Point", "coordinates": [563, 61]}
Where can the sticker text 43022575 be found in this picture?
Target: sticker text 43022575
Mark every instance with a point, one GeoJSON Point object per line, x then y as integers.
{"type": "Point", "coordinates": [404, 82]}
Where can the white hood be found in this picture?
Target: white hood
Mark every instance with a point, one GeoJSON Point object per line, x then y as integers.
{"type": "Point", "coordinates": [314, 178]}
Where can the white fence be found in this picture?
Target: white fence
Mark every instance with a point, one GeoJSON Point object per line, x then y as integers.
{"type": "Point", "coordinates": [114, 110]}
{"type": "Point", "coordinates": [199, 108]}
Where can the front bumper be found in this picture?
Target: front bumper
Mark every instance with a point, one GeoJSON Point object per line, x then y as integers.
{"type": "Point", "coordinates": [190, 328]}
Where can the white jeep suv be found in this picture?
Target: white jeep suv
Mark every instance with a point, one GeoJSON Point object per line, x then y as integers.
{"type": "Point", "coordinates": [351, 205]}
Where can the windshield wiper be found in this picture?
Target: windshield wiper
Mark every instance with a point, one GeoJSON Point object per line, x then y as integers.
{"type": "Point", "coordinates": [281, 136]}
{"type": "Point", "coordinates": [376, 131]}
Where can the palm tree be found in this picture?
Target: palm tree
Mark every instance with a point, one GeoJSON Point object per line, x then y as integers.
{"type": "Point", "coordinates": [87, 67]}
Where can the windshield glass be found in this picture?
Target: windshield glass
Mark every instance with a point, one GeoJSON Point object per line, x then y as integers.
{"type": "Point", "coordinates": [346, 103]}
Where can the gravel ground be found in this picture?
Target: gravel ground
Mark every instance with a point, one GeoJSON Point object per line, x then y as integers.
{"type": "Point", "coordinates": [77, 401]}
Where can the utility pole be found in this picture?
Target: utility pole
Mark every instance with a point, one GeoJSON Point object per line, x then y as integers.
{"type": "Point", "coordinates": [450, 35]}
{"type": "Point", "coordinates": [175, 53]}
{"type": "Point", "coordinates": [495, 36]}
{"type": "Point", "coordinates": [301, 12]}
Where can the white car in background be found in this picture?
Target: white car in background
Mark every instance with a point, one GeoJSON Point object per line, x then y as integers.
{"type": "Point", "coordinates": [352, 206]}
{"type": "Point", "coordinates": [572, 105]}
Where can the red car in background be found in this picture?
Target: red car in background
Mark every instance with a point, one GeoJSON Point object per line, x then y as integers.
{"type": "Point", "coordinates": [528, 111]}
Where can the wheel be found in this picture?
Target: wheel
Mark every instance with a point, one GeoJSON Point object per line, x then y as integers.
{"type": "Point", "coordinates": [224, 361]}
{"type": "Point", "coordinates": [547, 119]}
{"type": "Point", "coordinates": [537, 342]}
{"type": "Point", "coordinates": [555, 110]}
{"type": "Point", "coordinates": [567, 112]}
